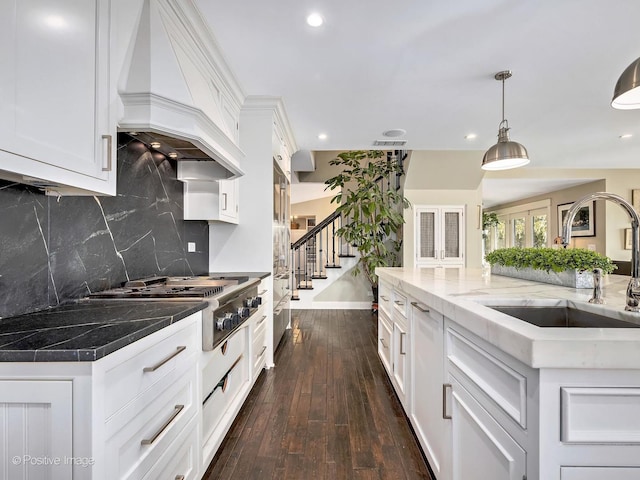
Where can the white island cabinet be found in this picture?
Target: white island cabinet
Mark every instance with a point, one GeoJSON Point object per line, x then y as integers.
{"type": "Point", "coordinates": [494, 397]}
{"type": "Point", "coordinates": [56, 129]}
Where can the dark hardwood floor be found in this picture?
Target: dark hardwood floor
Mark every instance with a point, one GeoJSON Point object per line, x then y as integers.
{"type": "Point", "coordinates": [325, 411]}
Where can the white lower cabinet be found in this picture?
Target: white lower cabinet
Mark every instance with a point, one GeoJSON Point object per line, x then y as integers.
{"type": "Point", "coordinates": [480, 447]}
{"type": "Point", "coordinates": [427, 379]}
{"type": "Point", "coordinates": [599, 473]}
{"type": "Point", "coordinates": [36, 426]}
{"type": "Point", "coordinates": [385, 334]}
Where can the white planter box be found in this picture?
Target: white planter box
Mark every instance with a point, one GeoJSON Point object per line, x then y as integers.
{"type": "Point", "coordinates": [568, 278]}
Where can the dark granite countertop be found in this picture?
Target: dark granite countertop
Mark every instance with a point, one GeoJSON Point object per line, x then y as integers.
{"type": "Point", "coordinates": [85, 331]}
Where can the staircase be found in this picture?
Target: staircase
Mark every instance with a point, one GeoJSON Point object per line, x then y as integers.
{"type": "Point", "coordinates": [322, 263]}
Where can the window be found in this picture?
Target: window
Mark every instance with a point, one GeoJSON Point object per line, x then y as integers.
{"type": "Point", "coordinates": [522, 226]}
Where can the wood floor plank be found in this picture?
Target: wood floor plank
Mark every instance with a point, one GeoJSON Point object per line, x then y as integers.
{"type": "Point", "coordinates": [327, 410]}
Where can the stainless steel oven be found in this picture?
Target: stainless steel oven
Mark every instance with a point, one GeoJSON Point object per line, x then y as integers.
{"type": "Point", "coordinates": [231, 300]}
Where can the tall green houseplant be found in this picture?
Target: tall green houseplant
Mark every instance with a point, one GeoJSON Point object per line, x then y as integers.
{"type": "Point", "coordinates": [372, 211]}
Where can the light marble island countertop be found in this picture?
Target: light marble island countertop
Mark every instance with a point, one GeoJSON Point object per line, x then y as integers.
{"type": "Point", "coordinates": [459, 294]}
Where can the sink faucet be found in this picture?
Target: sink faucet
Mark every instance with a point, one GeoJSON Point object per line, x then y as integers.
{"type": "Point", "coordinates": [633, 289]}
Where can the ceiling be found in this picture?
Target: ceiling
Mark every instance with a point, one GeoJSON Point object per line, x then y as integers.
{"type": "Point", "coordinates": [428, 67]}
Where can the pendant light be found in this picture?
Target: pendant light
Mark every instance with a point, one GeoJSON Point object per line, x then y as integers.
{"type": "Point", "coordinates": [505, 154]}
{"type": "Point", "coordinates": [626, 94]}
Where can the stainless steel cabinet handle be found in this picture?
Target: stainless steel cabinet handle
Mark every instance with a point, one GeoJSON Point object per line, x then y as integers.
{"type": "Point", "coordinates": [445, 415]}
{"type": "Point", "coordinates": [417, 305]}
{"type": "Point", "coordinates": [261, 320]}
{"type": "Point", "coordinates": [109, 140]}
{"type": "Point", "coordinates": [176, 412]}
{"type": "Point", "coordinates": [386, 299]}
{"type": "Point", "coordinates": [264, 349]}
{"type": "Point", "coordinates": [402, 349]}
{"type": "Point", "coordinates": [382, 342]}
{"type": "Point", "coordinates": [399, 303]}
{"type": "Point", "coordinates": [224, 201]}
{"type": "Point", "coordinates": [178, 351]}
{"type": "Point", "coordinates": [179, 477]}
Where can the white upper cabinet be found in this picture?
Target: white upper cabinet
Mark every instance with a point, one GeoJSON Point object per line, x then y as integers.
{"type": "Point", "coordinates": [439, 235]}
{"type": "Point", "coordinates": [55, 125]}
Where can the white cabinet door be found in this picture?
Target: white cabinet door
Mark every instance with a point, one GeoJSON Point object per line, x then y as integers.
{"type": "Point", "coordinates": [385, 335]}
{"type": "Point", "coordinates": [400, 362]}
{"type": "Point", "coordinates": [54, 93]}
{"type": "Point", "coordinates": [599, 473]}
{"type": "Point", "coordinates": [427, 378]}
{"type": "Point", "coordinates": [35, 429]}
{"type": "Point", "coordinates": [229, 200]}
{"type": "Point", "coordinates": [481, 448]}
{"type": "Point", "coordinates": [439, 235]}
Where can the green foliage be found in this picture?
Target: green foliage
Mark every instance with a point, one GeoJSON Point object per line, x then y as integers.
{"type": "Point", "coordinates": [548, 259]}
{"type": "Point", "coordinates": [489, 220]}
{"type": "Point", "coordinates": [373, 214]}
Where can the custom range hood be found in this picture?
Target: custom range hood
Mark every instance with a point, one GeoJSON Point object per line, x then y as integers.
{"type": "Point", "coordinates": [176, 92]}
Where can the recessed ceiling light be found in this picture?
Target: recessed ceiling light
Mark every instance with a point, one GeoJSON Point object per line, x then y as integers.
{"type": "Point", "coordinates": [626, 135]}
{"type": "Point", "coordinates": [134, 134]}
{"type": "Point", "coordinates": [56, 21]}
{"type": "Point", "coordinates": [470, 136]}
{"type": "Point", "coordinates": [315, 20]}
{"type": "Point", "coordinates": [322, 136]}
{"type": "Point", "coordinates": [173, 155]}
{"type": "Point", "coordinates": [155, 145]}
{"type": "Point", "coordinates": [394, 132]}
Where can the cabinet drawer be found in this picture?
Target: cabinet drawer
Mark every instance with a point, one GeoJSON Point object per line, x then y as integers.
{"type": "Point", "coordinates": [599, 473]}
{"type": "Point", "coordinates": [384, 297]}
{"type": "Point", "coordinates": [502, 384]}
{"type": "Point", "coordinates": [220, 398]}
{"type": "Point", "coordinates": [144, 370]}
{"type": "Point", "coordinates": [260, 326]}
{"type": "Point", "coordinates": [218, 362]}
{"type": "Point", "coordinates": [600, 415]}
{"type": "Point", "coordinates": [399, 304]}
{"type": "Point", "coordinates": [259, 351]}
{"type": "Point", "coordinates": [181, 460]}
{"type": "Point", "coordinates": [135, 446]}
{"type": "Point", "coordinates": [385, 330]}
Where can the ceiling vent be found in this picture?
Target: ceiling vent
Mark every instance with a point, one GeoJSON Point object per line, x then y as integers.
{"type": "Point", "coordinates": [389, 143]}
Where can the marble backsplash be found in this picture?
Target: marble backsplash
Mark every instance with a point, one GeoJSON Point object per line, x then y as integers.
{"type": "Point", "coordinates": [56, 249]}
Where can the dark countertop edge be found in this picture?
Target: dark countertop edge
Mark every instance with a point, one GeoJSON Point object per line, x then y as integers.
{"type": "Point", "coordinates": [259, 275]}
{"type": "Point", "coordinates": [93, 354]}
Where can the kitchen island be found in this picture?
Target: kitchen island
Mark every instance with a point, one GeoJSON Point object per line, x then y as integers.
{"type": "Point", "coordinates": [492, 396]}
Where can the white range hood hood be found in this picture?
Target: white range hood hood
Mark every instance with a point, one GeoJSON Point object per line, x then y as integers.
{"type": "Point", "coordinates": [173, 90]}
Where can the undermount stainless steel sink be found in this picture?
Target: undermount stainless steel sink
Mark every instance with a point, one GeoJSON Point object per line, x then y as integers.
{"type": "Point", "coordinates": [562, 316]}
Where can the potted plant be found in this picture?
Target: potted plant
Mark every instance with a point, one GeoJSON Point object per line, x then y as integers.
{"type": "Point", "coordinates": [570, 267]}
{"type": "Point", "coordinates": [373, 212]}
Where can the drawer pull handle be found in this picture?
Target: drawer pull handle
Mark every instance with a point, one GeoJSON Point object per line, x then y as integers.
{"type": "Point", "coordinates": [261, 320]}
{"type": "Point", "coordinates": [445, 414]}
{"type": "Point", "coordinates": [178, 351]}
{"type": "Point", "coordinates": [417, 305]}
{"type": "Point", "coordinates": [176, 412]}
{"type": "Point", "coordinates": [382, 342]}
{"type": "Point", "coordinates": [224, 347]}
{"type": "Point", "coordinates": [399, 303]}
{"type": "Point", "coordinates": [264, 349]}
{"type": "Point", "coordinates": [386, 299]}
{"type": "Point", "coordinates": [179, 477]}
{"type": "Point", "coordinates": [402, 348]}
{"type": "Point", "coordinates": [109, 140]}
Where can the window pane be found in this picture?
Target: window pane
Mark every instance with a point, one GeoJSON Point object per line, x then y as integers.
{"type": "Point", "coordinates": [501, 234]}
{"type": "Point", "coordinates": [518, 232]}
{"type": "Point", "coordinates": [540, 231]}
